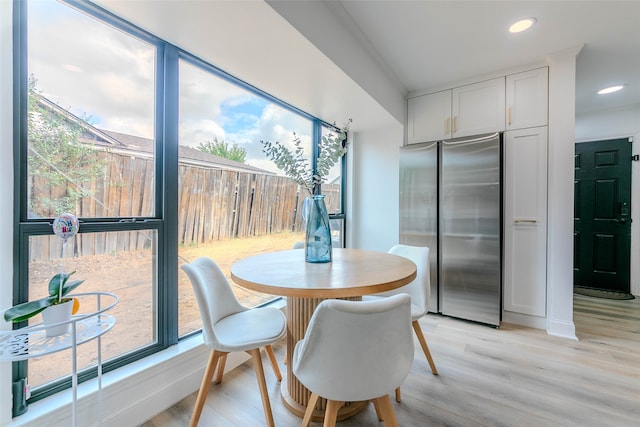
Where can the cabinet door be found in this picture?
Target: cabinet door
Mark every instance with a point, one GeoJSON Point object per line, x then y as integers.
{"type": "Point", "coordinates": [525, 221]}
{"type": "Point", "coordinates": [429, 117]}
{"type": "Point", "coordinates": [479, 108]}
{"type": "Point", "coordinates": [527, 99]}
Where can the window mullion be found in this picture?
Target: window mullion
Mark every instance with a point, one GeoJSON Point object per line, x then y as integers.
{"type": "Point", "coordinates": [167, 146]}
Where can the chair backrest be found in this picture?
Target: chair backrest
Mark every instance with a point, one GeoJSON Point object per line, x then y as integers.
{"type": "Point", "coordinates": [213, 293]}
{"type": "Point", "coordinates": [356, 350]}
{"type": "Point", "coordinates": [420, 288]}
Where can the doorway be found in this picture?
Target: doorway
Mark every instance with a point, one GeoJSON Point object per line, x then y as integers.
{"type": "Point", "coordinates": [602, 214]}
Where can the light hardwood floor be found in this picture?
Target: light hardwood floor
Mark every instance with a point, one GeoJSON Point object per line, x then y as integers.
{"type": "Point", "coordinates": [512, 376]}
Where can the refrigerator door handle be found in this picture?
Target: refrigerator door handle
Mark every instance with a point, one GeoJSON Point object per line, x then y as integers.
{"type": "Point", "coordinates": [419, 147]}
{"type": "Point", "coordinates": [471, 140]}
{"type": "Point", "coordinates": [525, 221]}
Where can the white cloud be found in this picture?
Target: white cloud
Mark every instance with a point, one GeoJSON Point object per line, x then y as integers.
{"type": "Point", "coordinates": [94, 69]}
{"type": "Point", "coordinates": [194, 132]}
{"type": "Point", "coordinates": [115, 84]}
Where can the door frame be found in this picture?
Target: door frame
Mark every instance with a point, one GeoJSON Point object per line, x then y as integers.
{"type": "Point", "coordinates": [634, 273]}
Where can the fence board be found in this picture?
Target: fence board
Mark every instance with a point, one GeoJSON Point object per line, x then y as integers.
{"type": "Point", "coordinates": [213, 204]}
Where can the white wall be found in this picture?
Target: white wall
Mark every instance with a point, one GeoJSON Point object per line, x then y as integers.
{"type": "Point", "coordinates": [6, 192]}
{"type": "Point", "coordinates": [619, 123]}
{"type": "Point", "coordinates": [373, 190]}
{"type": "Point", "coordinates": [562, 77]}
{"type": "Point", "coordinates": [608, 124]}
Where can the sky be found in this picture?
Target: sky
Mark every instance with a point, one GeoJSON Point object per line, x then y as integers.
{"type": "Point", "coordinates": [98, 71]}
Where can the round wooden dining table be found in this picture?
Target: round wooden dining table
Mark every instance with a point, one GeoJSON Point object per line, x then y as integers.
{"type": "Point", "coordinates": [351, 274]}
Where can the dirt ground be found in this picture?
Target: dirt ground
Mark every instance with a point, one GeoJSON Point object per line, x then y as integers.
{"type": "Point", "coordinates": [130, 276]}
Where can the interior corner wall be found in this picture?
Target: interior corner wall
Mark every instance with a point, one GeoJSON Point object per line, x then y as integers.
{"type": "Point", "coordinates": [372, 189]}
{"type": "Point", "coordinates": [6, 192]}
{"type": "Point", "coordinates": [611, 124]}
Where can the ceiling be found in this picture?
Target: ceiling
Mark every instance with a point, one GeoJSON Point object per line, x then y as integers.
{"type": "Point", "coordinates": [361, 58]}
{"type": "Point", "coordinates": [426, 45]}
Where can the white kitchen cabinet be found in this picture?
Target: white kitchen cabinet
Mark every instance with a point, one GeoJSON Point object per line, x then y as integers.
{"type": "Point", "coordinates": [467, 110]}
{"type": "Point", "coordinates": [525, 221]}
{"type": "Point", "coordinates": [478, 108]}
{"type": "Point", "coordinates": [428, 116]}
{"type": "Point", "coordinates": [527, 99]}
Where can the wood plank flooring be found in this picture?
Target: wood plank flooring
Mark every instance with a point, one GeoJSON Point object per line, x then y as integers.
{"type": "Point", "coordinates": [512, 376]}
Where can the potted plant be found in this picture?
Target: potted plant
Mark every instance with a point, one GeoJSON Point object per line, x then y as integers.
{"type": "Point", "coordinates": [332, 147]}
{"type": "Point", "coordinates": [55, 308]}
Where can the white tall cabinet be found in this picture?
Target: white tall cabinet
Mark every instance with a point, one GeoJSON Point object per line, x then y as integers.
{"type": "Point", "coordinates": [525, 222]}
{"type": "Point", "coordinates": [525, 195]}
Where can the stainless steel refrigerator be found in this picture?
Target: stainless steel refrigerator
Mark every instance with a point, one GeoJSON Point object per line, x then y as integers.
{"type": "Point", "coordinates": [451, 201]}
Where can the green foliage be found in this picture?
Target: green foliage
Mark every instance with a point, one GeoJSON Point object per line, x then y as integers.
{"type": "Point", "coordinates": [58, 288]}
{"type": "Point", "coordinates": [58, 158]}
{"type": "Point", "coordinates": [294, 164]}
{"type": "Point", "coordinates": [222, 149]}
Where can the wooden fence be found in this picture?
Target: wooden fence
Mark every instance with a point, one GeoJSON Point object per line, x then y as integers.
{"type": "Point", "coordinates": [214, 204]}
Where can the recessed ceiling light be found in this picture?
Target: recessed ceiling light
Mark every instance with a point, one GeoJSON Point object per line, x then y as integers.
{"type": "Point", "coordinates": [522, 25]}
{"type": "Point", "coordinates": [610, 89]}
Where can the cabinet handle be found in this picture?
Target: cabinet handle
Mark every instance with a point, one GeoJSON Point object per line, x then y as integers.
{"type": "Point", "coordinates": [509, 116]}
{"type": "Point", "coordinates": [455, 124]}
{"type": "Point", "coordinates": [525, 221]}
{"type": "Point", "coordinates": [446, 125]}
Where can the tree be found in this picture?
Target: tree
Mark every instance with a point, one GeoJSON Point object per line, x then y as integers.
{"type": "Point", "coordinates": [222, 149]}
{"type": "Point", "coordinates": [61, 168]}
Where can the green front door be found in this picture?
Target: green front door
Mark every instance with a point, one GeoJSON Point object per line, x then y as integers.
{"type": "Point", "coordinates": [602, 224]}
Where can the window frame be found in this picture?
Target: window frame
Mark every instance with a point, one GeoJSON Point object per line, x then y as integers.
{"type": "Point", "coordinates": [165, 217]}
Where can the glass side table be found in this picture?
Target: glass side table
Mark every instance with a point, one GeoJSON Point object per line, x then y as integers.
{"type": "Point", "coordinates": [32, 341]}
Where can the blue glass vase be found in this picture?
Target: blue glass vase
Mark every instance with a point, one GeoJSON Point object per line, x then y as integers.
{"type": "Point", "coordinates": [317, 246]}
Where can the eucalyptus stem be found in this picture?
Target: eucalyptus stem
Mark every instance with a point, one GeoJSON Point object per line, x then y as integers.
{"type": "Point", "coordinates": [297, 167]}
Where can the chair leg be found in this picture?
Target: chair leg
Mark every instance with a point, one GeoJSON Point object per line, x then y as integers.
{"type": "Point", "coordinates": [274, 362]}
{"type": "Point", "coordinates": [331, 413]}
{"type": "Point", "coordinates": [425, 348]}
{"type": "Point", "coordinates": [398, 395]}
{"type": "Point", "coordinates": [205, 385]}
{"type": "Point", "coordinates": [310, 408]}
{"type": "Point", "coordinates": [262, 384]}
{"type": "Point", "coordinates": [389, 417]}
{"type": "Point", "coordinates": [221, 363]}
{"type": "Point", "coordinates": [376, 405]}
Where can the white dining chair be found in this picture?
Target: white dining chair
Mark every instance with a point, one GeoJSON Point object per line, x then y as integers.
{"type": "Point", "coordinates": [419, 290]}
{"type": "Point", "coordinates": [227, 326]}
{"type": "Point", "coordinates": [355, 351]}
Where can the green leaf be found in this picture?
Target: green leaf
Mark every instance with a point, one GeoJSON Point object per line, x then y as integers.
{"type": "Point", "coordinates": [54, 283]}
{"type": "Point", "coordinates": [68, 287]}
{"type": "Point", "coordinates": [26, 310]}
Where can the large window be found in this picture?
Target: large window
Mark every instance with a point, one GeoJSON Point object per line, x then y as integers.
{"type": "Point", "coordinates": [232, 202]}
{"type": "Point", "coordinates": [159, 155]}
{"type": "Point", "coordinates": [87, 146]}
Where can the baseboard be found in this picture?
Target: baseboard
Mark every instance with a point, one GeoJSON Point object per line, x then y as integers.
{"type": "Point", "coordinates": [524, 320]}
{"type": "Point", "coordinates": [563, 329]}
